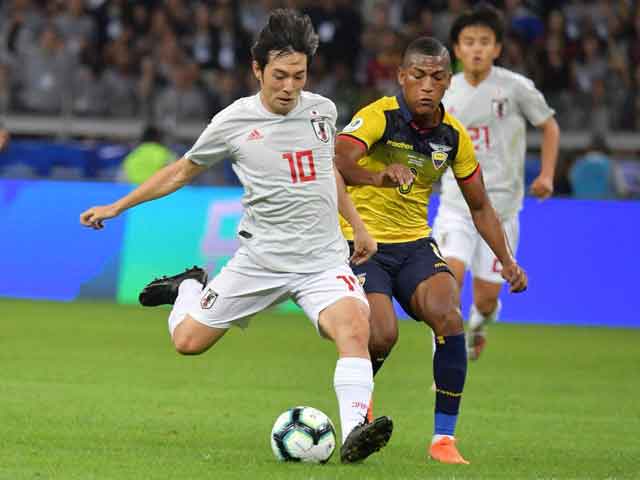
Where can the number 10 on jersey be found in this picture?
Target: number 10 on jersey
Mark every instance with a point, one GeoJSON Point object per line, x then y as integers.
{"type": "Point", "coordinates": [299, 171]}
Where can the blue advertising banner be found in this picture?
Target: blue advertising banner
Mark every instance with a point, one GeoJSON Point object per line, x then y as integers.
{"type": "Point", "coordinates": [580, 255]}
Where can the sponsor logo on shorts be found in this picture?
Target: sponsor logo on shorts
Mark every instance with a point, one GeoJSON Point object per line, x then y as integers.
{"type": "Point", "coordinates": [209, 297]}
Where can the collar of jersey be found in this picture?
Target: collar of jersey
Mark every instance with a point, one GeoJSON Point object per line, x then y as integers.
{"type": "Point", "coordinates": [406, 115]}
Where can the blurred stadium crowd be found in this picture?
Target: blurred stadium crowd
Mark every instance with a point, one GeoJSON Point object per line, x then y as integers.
{"type": "Point", "coordinates": [174, 61]}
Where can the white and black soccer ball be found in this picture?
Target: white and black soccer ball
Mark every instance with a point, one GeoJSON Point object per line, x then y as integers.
{"type": "Point", "coordinates": [303, 434]}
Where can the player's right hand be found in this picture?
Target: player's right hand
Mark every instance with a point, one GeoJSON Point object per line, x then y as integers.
{"type": "Point", "coordinates": [516, 277]}
{"type": "Point", "coordinates": [395, 175]}
{"type": "Point", "coordinates": [95, 216]}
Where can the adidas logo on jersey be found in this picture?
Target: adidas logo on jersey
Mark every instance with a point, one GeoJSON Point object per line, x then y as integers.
{"type": "Point", "coordinates": [255, 135]}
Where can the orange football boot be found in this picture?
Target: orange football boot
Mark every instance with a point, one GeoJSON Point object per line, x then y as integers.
{"type": "Point", "coordinates": [445, 451]}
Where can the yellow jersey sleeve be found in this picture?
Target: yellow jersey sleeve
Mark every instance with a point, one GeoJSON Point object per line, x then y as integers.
{"type": "Point", "coordinates": [367, 125]}
{"type": "Point", "coordinates": [465, 162]}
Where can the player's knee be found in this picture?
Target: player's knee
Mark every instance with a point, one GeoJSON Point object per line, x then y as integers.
{"type": "Point", "coordinates": [486, 305]}
{"type": "Point", "coordinates": [187, 345]}
{"type": "Point", "coordinates": [445, 318]}
{"type": "Point", "coordinates": [383, 341]}
{"type": "Point", "coordinates": [355, 331]}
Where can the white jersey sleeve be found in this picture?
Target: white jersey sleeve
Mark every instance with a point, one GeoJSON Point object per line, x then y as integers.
{"type": "Point", "coordinates": [531, 101]}
{"type": "Point", "coordinates": [211, 146]}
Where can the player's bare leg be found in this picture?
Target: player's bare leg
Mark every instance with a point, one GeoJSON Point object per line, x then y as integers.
{"type": "Point", "coordinates": [191, 337]}
{"type": "Point", "coordinates": [383, 334]}
{"type": "Point", "coordinates": [485, 310]}
{"type": "Point", "coordinates": [183, 290]}
{"type": "Point", "coordinates": [346, 322]}
{"type": "Point", "coordinates": [436, 301]}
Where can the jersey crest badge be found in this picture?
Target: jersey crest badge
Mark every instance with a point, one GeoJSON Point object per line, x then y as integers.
{"type": "Point", "coordinates": [321, 128]}
{"type": "Point", "coordinates": [208, 299]}
{"type": "Point", "coordinates": [440, 154]}
{"type": "Point", "coordinates": [499, 106]}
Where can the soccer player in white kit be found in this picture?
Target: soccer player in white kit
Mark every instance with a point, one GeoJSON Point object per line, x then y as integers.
{"type": "Point", "coordinates": [494, 105]}
{"type": "Point", "coordinates": [281, 141]}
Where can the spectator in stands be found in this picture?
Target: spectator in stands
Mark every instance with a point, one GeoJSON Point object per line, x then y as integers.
{"type": "Point", "coordinates": [120, 83]}
{"type": "Point", "coordinates": [554, 77]}
{"type": "Point", "coordinates": [147, 158]}
{"type": "Point", "coordinates": [20, 21]}
{"type": "Point", "coordinates": [382, 70]}
{"type": "Point", "coordinates": [230, 43]}
{"type": "Point", "coordinates": [76, 27]}
{"type": "Point", "coordinates": [182, 100]}
{"type": "Point", "coordinates": [514, 56]}
{"type": "Point", "coordinates": [88, 95]}
{"type": "Point", "coordinates": [200, 41]}
{"type": "Point", "coordinates": [45, 72]}
{"type": "Point", "coordinates": [595, 174]}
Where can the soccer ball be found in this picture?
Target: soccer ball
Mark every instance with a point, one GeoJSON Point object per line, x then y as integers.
{"type": "Point", "coordinates": [303, 434]}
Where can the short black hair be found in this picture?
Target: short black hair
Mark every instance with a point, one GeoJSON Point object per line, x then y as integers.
{"type": "Point", "coordinates": [286, 31]}
{"type": "Point", "coordinates": [484, 15]}
{"type": "Point", "coordinates": [429, 46]}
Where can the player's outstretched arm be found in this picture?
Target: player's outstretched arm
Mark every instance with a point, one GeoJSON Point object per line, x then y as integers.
{"type": "Point", "coordinates": [364, 245]}
{"type": "Point", "coordinates": [163, 182]}
{"type": "Point", "coordinates": [348, 152]}
{"type": "Point", "coordinates": [542, 186]}
{"type": "Point", "coordinates": [488, 225]}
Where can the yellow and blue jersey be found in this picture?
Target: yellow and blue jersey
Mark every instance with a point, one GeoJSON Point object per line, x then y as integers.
{"type": "Point", "coordinates": [385, 128]}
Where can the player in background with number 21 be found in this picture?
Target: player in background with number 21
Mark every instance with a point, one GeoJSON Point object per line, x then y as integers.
{"type": "Point", "coordinates": [281, 142]}
{"type": "Point", "coordinates": [493, 104]}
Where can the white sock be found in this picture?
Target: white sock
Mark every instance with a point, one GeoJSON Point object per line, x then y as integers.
{"type": "Point", "coordinates": [439, 437]}
{"type": "Point", "coordinates": [188, 293]}
{"type": "Point", "coordinates": [353, 382]}
{"type": "Point", "coordinates": [477, 319]}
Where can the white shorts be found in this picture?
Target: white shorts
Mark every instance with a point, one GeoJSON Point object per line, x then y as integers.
{"type": "Point", "coordinates": [243, 288]}
{"type": "Point", "coordinates": [457, 237]}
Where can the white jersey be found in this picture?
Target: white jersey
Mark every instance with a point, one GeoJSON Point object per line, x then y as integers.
{"type": "Point", "coordinates": [494, 113]}
{"type": "Point", "coordinates": [285, 163]}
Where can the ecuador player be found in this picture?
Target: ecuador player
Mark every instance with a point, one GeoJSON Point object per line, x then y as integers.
{"type": "Point", "coordinates": [390, 156]}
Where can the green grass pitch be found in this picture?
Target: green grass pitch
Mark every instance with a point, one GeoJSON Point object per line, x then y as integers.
{"type": "Point", "coordinates": [95, 391]}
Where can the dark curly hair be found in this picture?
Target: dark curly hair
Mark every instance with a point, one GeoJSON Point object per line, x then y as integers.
{"type": "Point", "coordinates": [287, 31]}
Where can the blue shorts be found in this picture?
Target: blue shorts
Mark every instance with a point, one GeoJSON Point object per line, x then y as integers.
{"type": "Point", "coordinates": [398, 268]}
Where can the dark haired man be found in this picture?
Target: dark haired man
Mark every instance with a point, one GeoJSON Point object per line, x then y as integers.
{"type": "Point", "coordinates": [493, 104]}
{"type": "Point", "coordinates": [391, 154]}
{"type": "Point", "coordinates": [281, 143]}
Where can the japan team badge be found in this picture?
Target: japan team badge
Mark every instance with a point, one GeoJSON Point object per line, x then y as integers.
{"type": "Point", "coordinates": [321, 128]}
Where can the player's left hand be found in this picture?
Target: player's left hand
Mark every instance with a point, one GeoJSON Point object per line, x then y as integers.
{"type": "Point", "coordinates": [542, 187]}
{"type": "Point", "coordinates": [364, 246]}
{"type": "Point", "coordinates": [516, 276]}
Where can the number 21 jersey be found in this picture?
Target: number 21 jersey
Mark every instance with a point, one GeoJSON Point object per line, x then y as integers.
{"type": "Point", "coordinates": [285, 164]}
{"type": "Point", "coordinates": [495, 114]}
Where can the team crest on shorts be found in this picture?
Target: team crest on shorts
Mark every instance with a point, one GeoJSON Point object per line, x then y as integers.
{"type": "Point", "coordinates": [321, 128]}
{"type": "Point", "coordinates": [499, 106]}
{"type": "Point", "coordinates": [362, 277]}
{"type": "Point", "coordinates": [208, 299]}
{"type": "Point", "coordinates": [439, 154]}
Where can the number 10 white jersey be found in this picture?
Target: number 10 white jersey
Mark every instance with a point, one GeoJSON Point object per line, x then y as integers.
{"type": "Point", "coordinates": [495, 113]}
{"type": "Point", "coordinates": [285, 164]}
